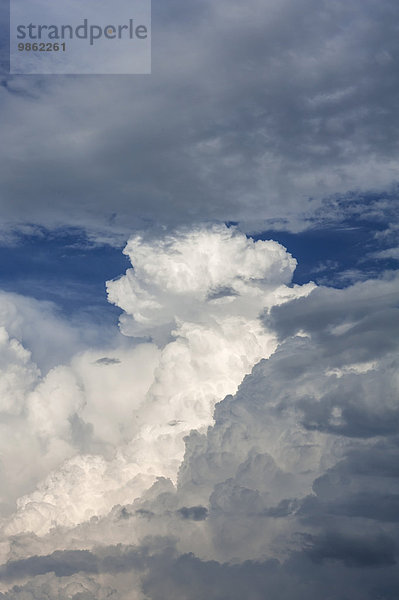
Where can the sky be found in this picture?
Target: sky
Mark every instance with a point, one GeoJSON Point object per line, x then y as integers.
{"type": "Point", "coordinates": [199, 312]}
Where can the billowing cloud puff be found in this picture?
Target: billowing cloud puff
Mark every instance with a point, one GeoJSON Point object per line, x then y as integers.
{"type": "Point", "coordinates": [198, 275]}
{"type": "Point", "coordinates": [39, 327]}
{"type": "Point", "coordinates": [113, 423]}
{"type": "Point", "coordinates": [42, 406]}
{"type": "Point", "coordinates": [288, 486]}
{"type": "Point", "coordinates": [17, 374]}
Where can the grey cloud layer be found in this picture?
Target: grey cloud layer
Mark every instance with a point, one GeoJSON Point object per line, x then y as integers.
{"type": "Point", "coordinates": [267, 105]}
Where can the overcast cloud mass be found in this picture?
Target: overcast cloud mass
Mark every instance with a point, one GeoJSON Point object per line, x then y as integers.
{"type": "Point", "coordinates": [263, 109]}
{"type": "Point", "coordinates": [199, 313]}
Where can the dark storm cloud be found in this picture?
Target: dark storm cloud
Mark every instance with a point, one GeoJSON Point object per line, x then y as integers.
{"type": "Point", "coordinates": [109, 559]}
{"type": "Point", "coordinates": [363, 486]}
{"type": "Point", "coordinates": [195, 513]}
{"type": "Point", "coordinates": [267, 106]}
{"type": "Point", "coordinates": [358, 324]}
{"type": "Point", "coordinates": [343, 565]}
{"type": "Point", "coordinates": [359, 551]}
{"type": "Point", "coordinates": [62, 564]}
{"type": "Point", "coordinates": [189, 577]}
{"type": "Point", "coordinates": [107, 361]}
{"type": "Point", "coordinates": [367, 505]}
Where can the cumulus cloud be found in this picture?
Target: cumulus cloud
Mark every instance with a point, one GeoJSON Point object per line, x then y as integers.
{"type": "Point", "coordinates": [17, 374]}
{"type": "Point", "coordinates": [284, 484]}
{"type": "Point", "coordinates": [41, 397]}
{"type": "Point", "coordinates": [199, 275]}
{"type": "Point", "coordinates": [113, 424]}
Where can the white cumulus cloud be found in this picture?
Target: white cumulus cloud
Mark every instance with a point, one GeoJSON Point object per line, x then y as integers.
{"type": "Point", "coordinates": [110, 424]}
